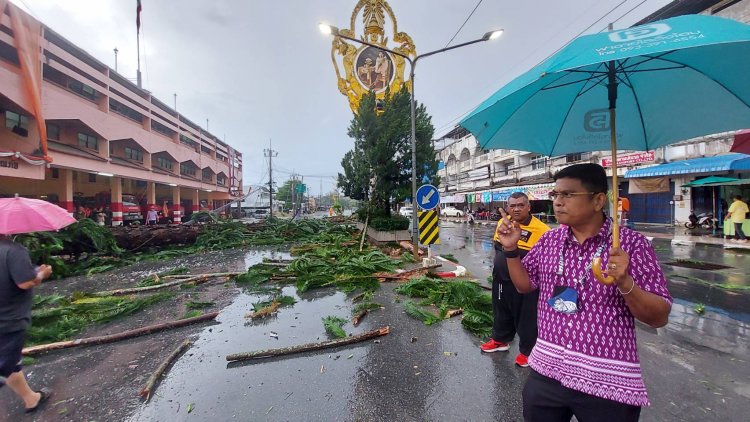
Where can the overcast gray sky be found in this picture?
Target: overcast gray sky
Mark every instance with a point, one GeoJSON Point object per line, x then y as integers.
{"type": "Point", "coordinates": [260, 70]}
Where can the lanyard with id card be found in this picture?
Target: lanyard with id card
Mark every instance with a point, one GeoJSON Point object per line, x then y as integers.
{"type": "Point", "coordinates": [564, 298]}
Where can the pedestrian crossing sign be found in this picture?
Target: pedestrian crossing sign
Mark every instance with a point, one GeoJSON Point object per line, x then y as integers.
{"type": "Point", "coordinates": [429, 229]}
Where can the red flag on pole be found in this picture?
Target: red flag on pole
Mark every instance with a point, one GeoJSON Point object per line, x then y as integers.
{"type": "Point", "coordinates": [138, 9]}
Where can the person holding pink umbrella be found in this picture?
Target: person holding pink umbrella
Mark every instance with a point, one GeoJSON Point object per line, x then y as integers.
{"type": "Point", "coordinates": [18, 276]}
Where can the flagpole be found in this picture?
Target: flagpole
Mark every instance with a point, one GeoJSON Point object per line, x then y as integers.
{"type": "Point", "coordinates": [138, 40]}
{"type": "Point", "coordinates": [138, 48]}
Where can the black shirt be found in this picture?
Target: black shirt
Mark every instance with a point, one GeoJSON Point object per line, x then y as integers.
{"type": "Point", "coordinates": [15, 303]}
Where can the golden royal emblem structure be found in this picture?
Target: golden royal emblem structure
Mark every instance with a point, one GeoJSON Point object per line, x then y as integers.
{"type": "Point", "coordinates": [367, 68]}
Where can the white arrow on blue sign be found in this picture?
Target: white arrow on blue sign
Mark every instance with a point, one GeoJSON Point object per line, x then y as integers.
{"type": "Point", "coordinates": [428, 197]}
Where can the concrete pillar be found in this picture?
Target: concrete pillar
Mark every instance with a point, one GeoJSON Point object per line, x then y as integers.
{"type": "Point", "coordinates": [176, 205]}
{"type": "Point", "coordinates": [116, 186]}
{"type": "Point", "coordinates": [150, 195]}
{"type": "Point", "coordinates": [196, 201]}
{"type": "Point", "coordinates": [66, 190]}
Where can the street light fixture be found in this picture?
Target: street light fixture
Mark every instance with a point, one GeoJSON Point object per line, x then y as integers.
{"type": "Point", "coordinates": [332, 30]}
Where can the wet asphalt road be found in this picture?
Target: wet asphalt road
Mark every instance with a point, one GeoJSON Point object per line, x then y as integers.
{"type": "Point", "coordinates": [696, 368]}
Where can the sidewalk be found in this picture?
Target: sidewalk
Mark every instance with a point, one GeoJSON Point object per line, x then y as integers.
{"type": "Point", "coordinates": [681, 236]}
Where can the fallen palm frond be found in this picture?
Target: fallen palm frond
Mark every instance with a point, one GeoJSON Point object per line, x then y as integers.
{"type": "Point", "coordinates": [261, 354]}
{"type": "Point", "coordinates": [197, 304]}
{"type": "Point", "coordinates": [34, 350]}
{"type": "Point", "coordinates": [333, 326]}
{"type": "Point", "coordinates": [449, 297]}
{"type": "Point", "coordinates": [417, 312]}
{"type": "Point", "coordinates": [150, 386]}
{"type": "Point", "coordinates": [60, 318]}
{"type": "Point", "coordinates": [266, 308]}
{"type": "Point", "coordinates": [478, 322]}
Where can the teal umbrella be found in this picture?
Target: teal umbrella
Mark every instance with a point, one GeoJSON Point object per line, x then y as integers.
{"type": "Point", "coordinates": [667, 81]}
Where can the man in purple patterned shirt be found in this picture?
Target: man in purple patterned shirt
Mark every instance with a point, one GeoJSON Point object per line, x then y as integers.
{"type": "Point", "coordinates": [585, 361]}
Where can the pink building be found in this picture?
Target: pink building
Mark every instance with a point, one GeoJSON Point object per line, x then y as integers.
{"type": "Point", "coordinates": [106, 138]}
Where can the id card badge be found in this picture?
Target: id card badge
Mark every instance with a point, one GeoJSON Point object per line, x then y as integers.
{"type": "Point", "coordinates": [564, 300]}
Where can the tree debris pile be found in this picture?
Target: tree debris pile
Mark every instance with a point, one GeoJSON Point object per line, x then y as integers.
{"type": "Point", "coordinates": [447, 297]}
{"type": "Point", "coordinates": [57, 318]}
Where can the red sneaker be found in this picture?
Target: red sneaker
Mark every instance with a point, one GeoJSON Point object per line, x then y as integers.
{"type": "Point", "coordinates": [494, 346]}
{"type": "Point", "coordinates": [522, 360]}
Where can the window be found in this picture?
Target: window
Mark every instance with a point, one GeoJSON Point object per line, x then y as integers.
{"type": "Point", "coordinates": [187, 169]}
{"type": "Point", "coordinates": [207, 175]}
{"type": "Point", "coordinates": [82, 89]}
{"type": "Point", "coordinates": [571, 158]}
{"type": "Point", "coordinates": [184, 140]}
{"type": "Point", "coordinates": [92, 178]}
{"type": "Point", "coordinates": [17, 123]}
{"type": "Point", "coordinates": [134, 154]}
{"type": "Point", "coordinates": [55, 173]}
{"type": "Point", "coordinates": [53, 131]}
{"type": "Point", "coordinates": [124, 110]}
{"type": "Point", "coordinates": [164, 163]}
{"type": "Point", "coordinates": [205, 149]}
{"type": "Point", "coordinates": [220, 180]}
{"type": "Point", "coordinates": [88, 141]}
{"type": "Point", "coordinates": [538, 162]}
{"type": "Point", "coordinates": [220, 157]}
{"type": "Point", "coordinates": [158, 127]}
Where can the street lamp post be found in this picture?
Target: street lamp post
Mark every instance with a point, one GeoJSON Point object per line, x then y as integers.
{"type": "Point", "coordinates": [332, 30]}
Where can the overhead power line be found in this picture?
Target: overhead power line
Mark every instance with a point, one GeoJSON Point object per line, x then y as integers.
{"type": "Point", "coordinates": [463, 24]}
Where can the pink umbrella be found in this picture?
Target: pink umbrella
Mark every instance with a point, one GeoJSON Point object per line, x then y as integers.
{"type": "Point", "coordinates": [23, 215]}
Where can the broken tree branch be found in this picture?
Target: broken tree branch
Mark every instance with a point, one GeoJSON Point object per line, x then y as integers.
{"type": "Point", "coordinates": [151, 383]}
{"type": "Point", "coordinates": [111, 338]}
{"type": "Point", "coordinates": [415, 272]}
{"type": "Point", "coordinates": [356, 319]}
{"type": "Point", "coordinates": [196, 278]}
{"type": "Point", "coordinates": [310, 346]}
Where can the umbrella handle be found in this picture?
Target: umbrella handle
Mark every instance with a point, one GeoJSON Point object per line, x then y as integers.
{"type": "Point", "coordinates": [596, 267]}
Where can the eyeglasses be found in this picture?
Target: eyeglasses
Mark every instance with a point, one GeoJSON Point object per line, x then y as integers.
{"type": "Point", "coordinates": [567, 195]}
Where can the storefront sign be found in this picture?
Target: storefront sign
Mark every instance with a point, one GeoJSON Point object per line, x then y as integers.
{"type": "Point", "coordinates": [630, 159]}
{"type": "Point", "coordinates": [9, 164]}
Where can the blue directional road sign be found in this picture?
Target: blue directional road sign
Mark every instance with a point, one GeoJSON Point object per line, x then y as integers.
{"type": "Point", "coordinates": [427, 197]}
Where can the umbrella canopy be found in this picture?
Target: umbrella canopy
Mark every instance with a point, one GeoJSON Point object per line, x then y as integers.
{"type": "Point", "coordinates": [741, 142]}
{"type": "Point", "coordinates": [24, 215]}
{"type": "Point", "coordinates": [632, 89]}
{"type": "Point", "coordinates": [675, 79]}
{"type": "Point", "coordinates": [711, 180]}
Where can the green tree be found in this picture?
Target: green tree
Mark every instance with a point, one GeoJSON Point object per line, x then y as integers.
{"type": "Point", "coordinates": [378, 168]}
{"type": "Point", "coordinates": [284, 194]}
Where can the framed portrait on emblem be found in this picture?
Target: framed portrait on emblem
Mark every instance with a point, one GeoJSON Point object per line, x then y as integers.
{"type": "Point", "coordinates": [374, 69]}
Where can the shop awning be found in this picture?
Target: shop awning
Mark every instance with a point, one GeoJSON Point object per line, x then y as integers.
{"type": "Point", "coordinates": [711, 181]}
{"type": "Point", "coordinates": [735, 182]}
{"type": "Point", "coordinates": [720, 163]}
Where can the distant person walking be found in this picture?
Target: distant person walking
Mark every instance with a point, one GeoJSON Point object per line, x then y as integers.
{"type": "Point", "coordinates": [17, 278]}
{"type": "Point", "coordinates": [737, 213]}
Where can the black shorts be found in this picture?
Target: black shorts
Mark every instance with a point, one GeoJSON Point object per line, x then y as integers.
{"type": "Point", "coordinates": [11, 345]}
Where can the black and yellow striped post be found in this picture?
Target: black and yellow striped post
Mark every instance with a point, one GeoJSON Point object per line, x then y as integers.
{"type": "Point", "coordinates": [429, 229]}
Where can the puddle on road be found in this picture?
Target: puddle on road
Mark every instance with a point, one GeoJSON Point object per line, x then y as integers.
{"type": "Point", "coordinates": [261, 389]}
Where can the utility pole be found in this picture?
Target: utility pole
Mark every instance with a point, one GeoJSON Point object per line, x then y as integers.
{"type": "Point", "coordinates": [116, 50]}
{"type": "Point", "coordinates": [175, 101]}
{"type": "Point", "coordinates": [270, 153]}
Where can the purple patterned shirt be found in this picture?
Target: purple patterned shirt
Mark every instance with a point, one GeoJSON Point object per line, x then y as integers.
{"type": "Point", "coordinates": [593, 350]}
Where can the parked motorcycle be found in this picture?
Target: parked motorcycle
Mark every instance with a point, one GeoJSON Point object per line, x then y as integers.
{"type": "Point", "coordinates": [703, 220]}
